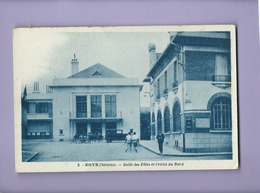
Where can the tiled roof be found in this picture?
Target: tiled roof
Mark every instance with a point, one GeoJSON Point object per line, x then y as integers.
{"type": "Point", "coordinates": [97, 71]}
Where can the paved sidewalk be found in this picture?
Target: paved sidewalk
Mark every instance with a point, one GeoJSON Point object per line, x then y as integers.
{"type": "Point", "coordinates": [168, 151]}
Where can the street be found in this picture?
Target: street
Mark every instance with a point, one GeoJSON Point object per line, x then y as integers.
{"type": "Point", "coordinates": [115, 151]}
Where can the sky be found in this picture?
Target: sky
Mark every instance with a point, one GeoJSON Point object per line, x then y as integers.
{"type": "Point", "coordinates": [41, 55]}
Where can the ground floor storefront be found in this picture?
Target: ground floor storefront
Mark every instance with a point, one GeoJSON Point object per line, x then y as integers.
{"type": "Point", "coordinates": [39, 129]}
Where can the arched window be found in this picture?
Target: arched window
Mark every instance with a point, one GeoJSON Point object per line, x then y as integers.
{"type": "Point", "coordinates": [176, 117]}
{"type": "Point", "coordinates": [221, 113]}
{"type": "Point", "coordinates": [153, 124]}
{"type": "Point", "coordinates": [166, 120]}
{"type": "Point", "coordinates": [159, 121]}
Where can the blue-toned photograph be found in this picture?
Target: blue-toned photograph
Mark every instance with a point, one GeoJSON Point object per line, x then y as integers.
{"type": "Point", "coordinates": [126, 95]}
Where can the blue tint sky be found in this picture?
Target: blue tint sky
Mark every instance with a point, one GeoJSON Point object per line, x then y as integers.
{"type": "Point", "coordinates": [42, 55]}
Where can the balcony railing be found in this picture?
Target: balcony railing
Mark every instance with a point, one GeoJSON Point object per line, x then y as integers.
{"type": "Point", "coordinates": [222, 78]}
{"type": "Point", "coordinates": [75, 115]}
{"type": "Point", "coordinates": [39, 116]}
{"type": "Point", "coordinates": [81, 115]}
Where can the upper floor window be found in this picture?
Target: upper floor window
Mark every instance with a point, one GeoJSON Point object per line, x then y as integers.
{"type": "Point", "coordinates": [165, 83]}
{"type": "Point", "coordinates": [158, 89]}
{"type": "Point", "coordinates": [81, 106]}
{"type": "Point", "coordinates": [222, 68]}
{"type": "Point", "coordinates": [175, 74]}
{"type": "Point", "coordinates": [43, 108]}
{"type": "Point", "coordinates": [36, 87]}
{"type": "Point", "coordinates": [110, 105]}
{"type": "Point", "coordinates": [96, 106]}
{"type": "Point", "coordinates": [32, 107]}
{"type": "Point", "coordinates": [40, 107]}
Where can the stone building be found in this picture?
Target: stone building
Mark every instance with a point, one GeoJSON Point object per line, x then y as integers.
{"type": "Point", "coordinates": [191, 91]}
{"type": "Point", "coordinates": [90, 101]}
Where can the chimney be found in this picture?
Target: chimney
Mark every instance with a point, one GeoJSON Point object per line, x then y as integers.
{"type": "Point", "coordinates": [74, 65]}
{"type": "Point", "coordinates": [152, 53]}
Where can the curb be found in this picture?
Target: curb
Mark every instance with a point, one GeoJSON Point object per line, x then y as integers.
{"type": "Point", "coordinates": [187, 155]}
{"type": "Point", "coordinates": [32, 157]}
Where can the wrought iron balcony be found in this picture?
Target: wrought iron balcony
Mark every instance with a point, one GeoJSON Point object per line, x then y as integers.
{"type": "Point", "coordinates": [222, 78]}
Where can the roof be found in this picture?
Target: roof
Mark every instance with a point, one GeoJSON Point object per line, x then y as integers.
{"type": "Point", "coordinates": [97, 71]}
{"type": "Point", "coordinates": [210, 39]}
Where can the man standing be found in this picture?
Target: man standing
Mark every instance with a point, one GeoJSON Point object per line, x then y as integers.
{"type": "Point", "coordinates": [160, 139]}
{"type": "Point", "coordinates": [135, 141]}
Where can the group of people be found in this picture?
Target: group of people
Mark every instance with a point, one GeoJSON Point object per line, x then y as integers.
{"type": "Point", "coordinates": [87, 138]}
{"type": "Point", "coordinates": [131, 140]}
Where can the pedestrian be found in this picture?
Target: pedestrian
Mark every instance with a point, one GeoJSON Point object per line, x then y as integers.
{"type": "Point", "coordinates": [160, 140]}
{"type": "Point", "coordinates": [135, 141]}
{"type": "Point", "coordinates": [128, 142]}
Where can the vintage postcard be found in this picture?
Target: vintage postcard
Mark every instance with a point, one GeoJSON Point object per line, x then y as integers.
{"type": "Point", "coordinates": [125, 98]}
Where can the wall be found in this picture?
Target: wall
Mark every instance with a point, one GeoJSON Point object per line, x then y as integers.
{"type": "Point", "coordinates": [128, 106]}
{"type": "Point", "coordinates": [208, 142]}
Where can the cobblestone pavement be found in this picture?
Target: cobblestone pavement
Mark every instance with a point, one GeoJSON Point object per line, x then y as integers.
{"type": "Point", "coordinates": [66, 151]}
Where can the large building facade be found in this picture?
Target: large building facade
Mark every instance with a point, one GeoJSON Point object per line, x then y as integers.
{"type": "Point", "coordinates": [93, 100]}
{"type": "Point", "coordinates": [191, 91]}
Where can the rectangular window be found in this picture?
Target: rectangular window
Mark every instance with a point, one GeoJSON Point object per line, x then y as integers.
{"type": "Point", "coordinates": [36, 87]}
{"type": "Point", "coordinates": [110, 105]}
{"type": "Point", "coordinates": [165, 91]}
{"type": "Point", "coordinates": [61, 132]}
{"type": "Point", "coordinates": [42, 108]}
{"type": "Point", "coordinates": [175, 72]}
{"type": "Point", "coordinates": [96, 106]}
{"type": "Point", "coordinates": [81, 106]}
{"type": "Point", "coordinates": [158, 89]}
{"type": "Point", "coordinates": [32, 108]}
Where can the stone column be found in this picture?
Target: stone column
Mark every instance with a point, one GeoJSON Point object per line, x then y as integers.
{"type": "Point", "coordinates": [103, 106]}
{"type": "Point", "coordinates": [171, 123]}
{"type": "Point", "coordinates": [103, 128]}
{"type": "Point", "coordinates": [88, 106]}
{"type": "Point", "coordinates": [163, 129]}
{"type": "Point", "coordinates": [88, 127]}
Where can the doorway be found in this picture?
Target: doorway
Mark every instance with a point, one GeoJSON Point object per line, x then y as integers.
{"type": "Point", "coordinates": [82, 129]}
{"type": "Point", "coordinates": [96, 128]}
